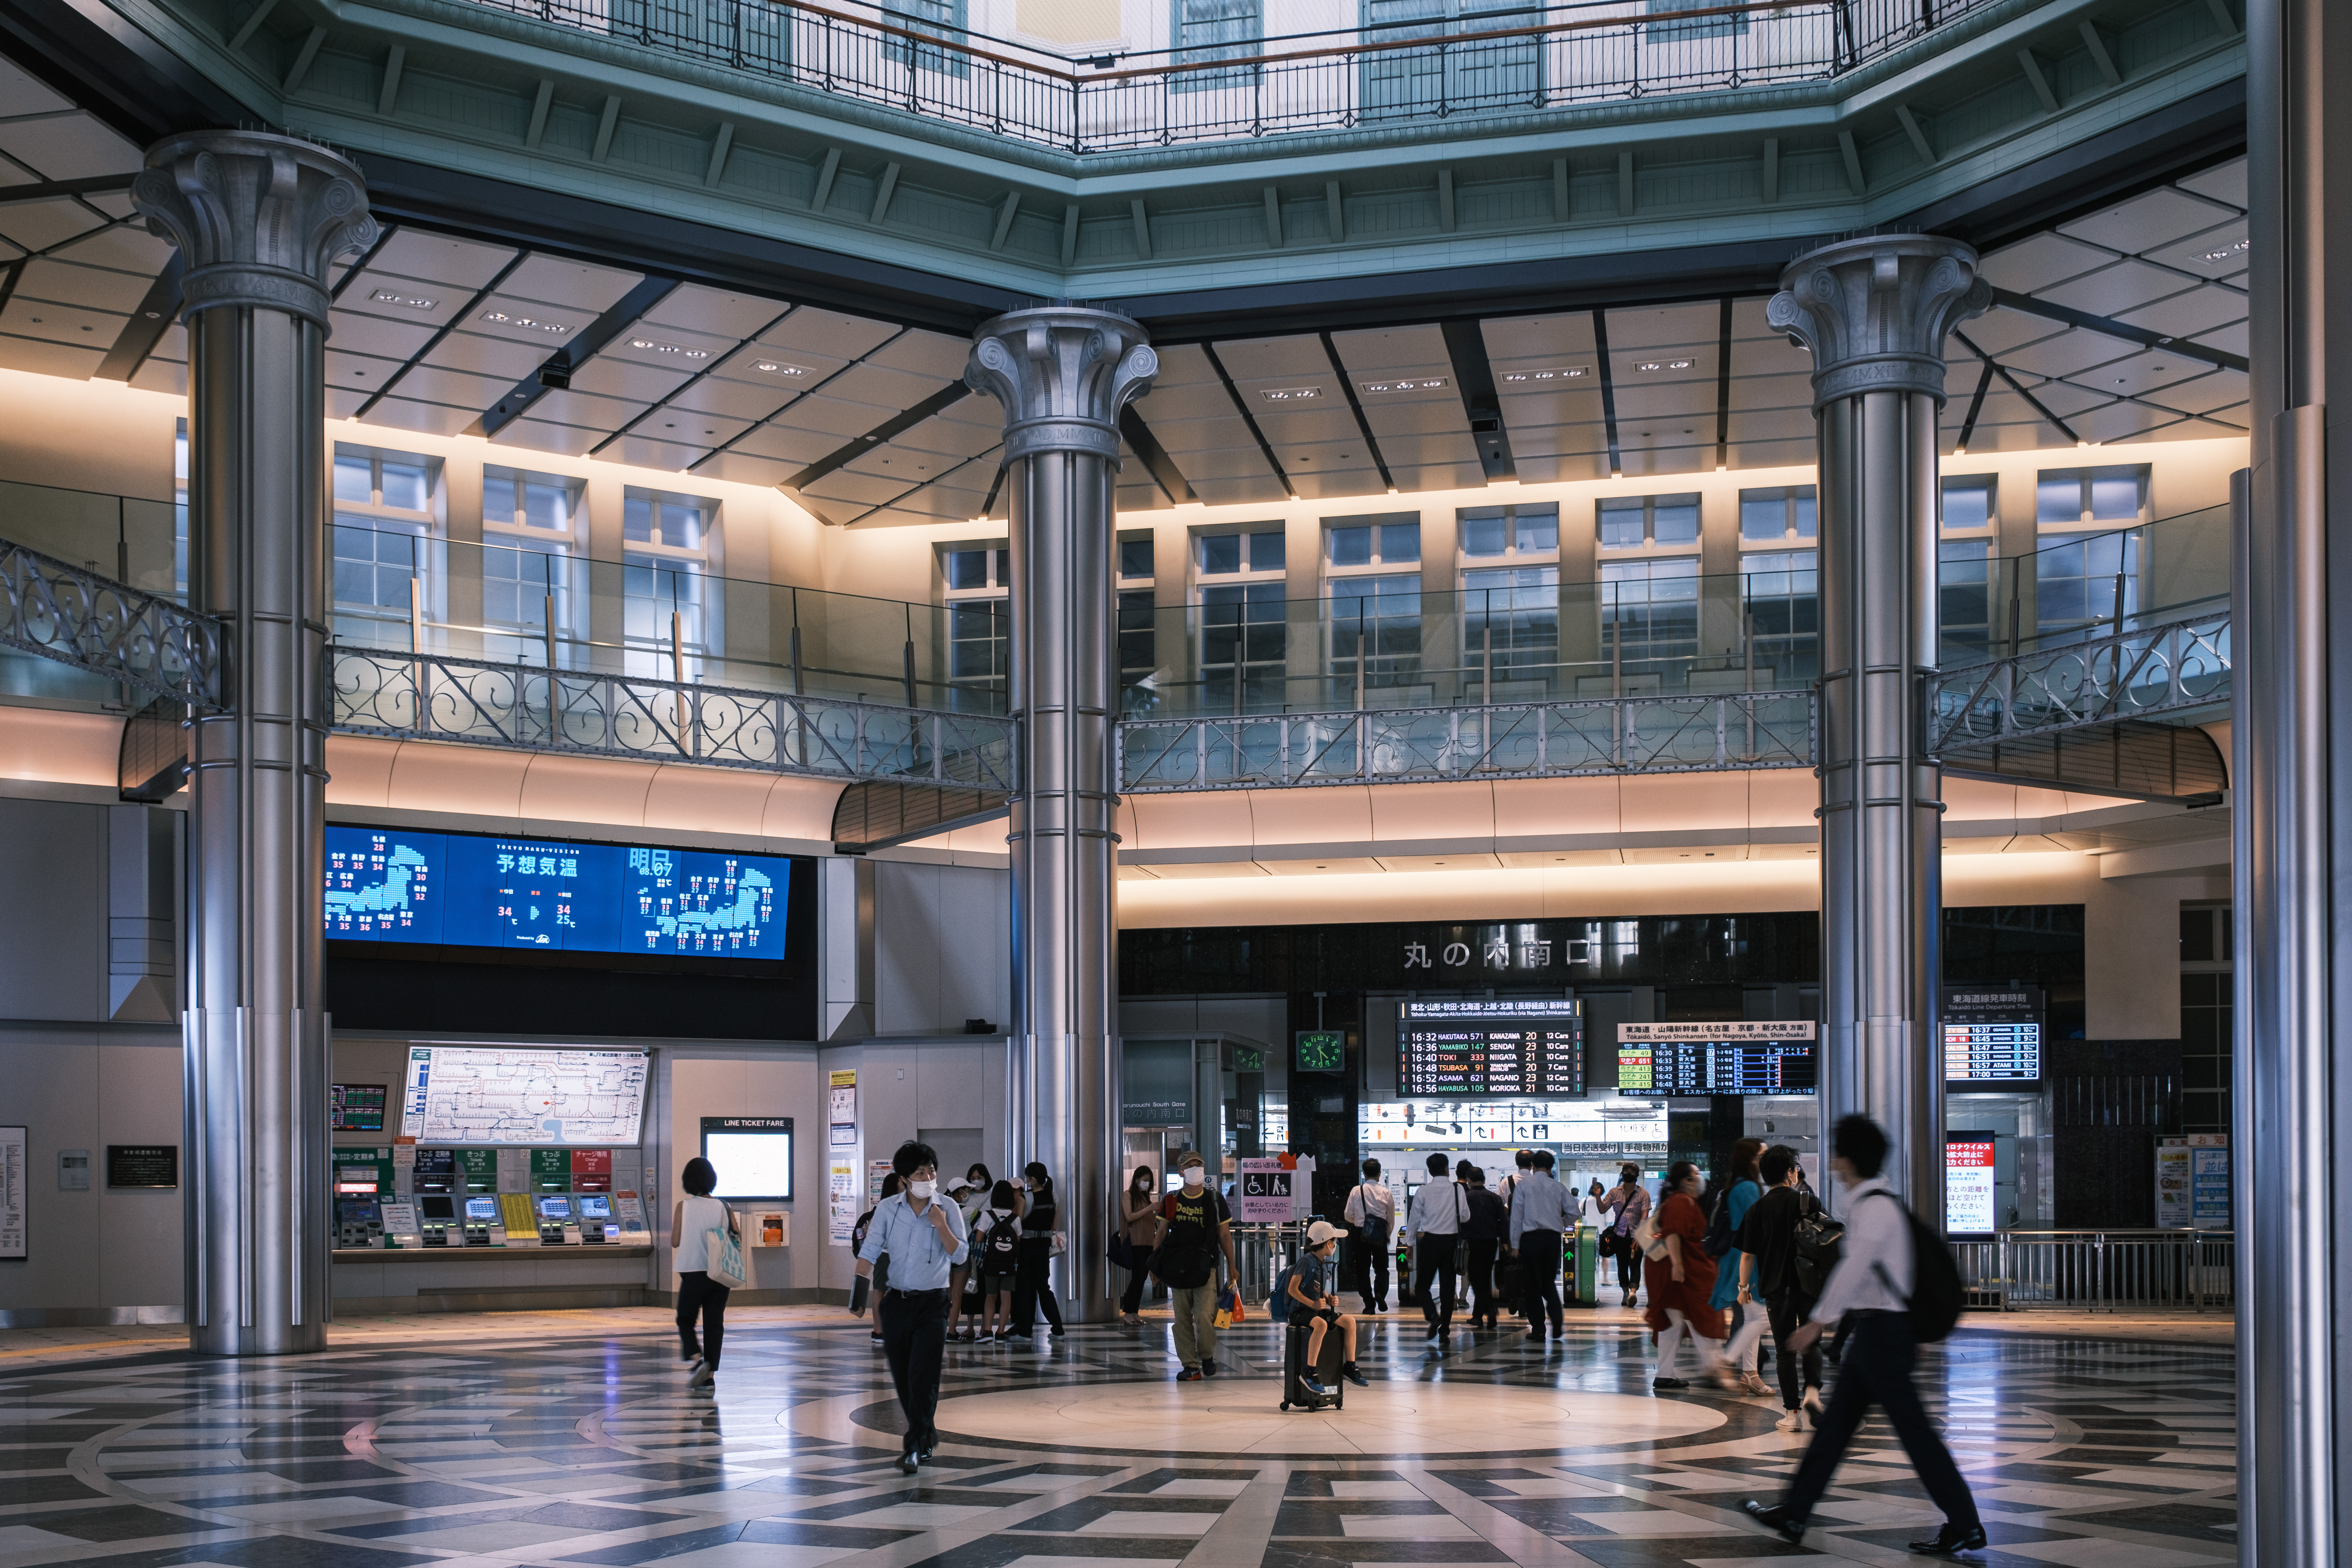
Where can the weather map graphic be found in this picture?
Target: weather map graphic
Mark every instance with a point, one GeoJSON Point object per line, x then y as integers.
{"type": "Point", "coordinates": [390, 885]}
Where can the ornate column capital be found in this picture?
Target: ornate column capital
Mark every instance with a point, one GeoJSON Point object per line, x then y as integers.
{"type": "Point", "coordinates": [1063, 373]}
{"type": "Point", "coordinates": [257, 216]}
{"type": "Point", "coordinates": [1875, 311]}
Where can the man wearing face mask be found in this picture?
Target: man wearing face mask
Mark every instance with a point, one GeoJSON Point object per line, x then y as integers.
{"type": "Point", "coordinates": [924, 1236]}
{"type": "Point", "coordinates": [1194, 1225]}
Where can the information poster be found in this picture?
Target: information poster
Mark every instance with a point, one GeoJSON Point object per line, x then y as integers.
{"type": "Point", "coordinates": [840, 1200]}
{"type": "Point", "coordinates": [875, 1170]}
{"type": "Point", "coordinates": [2174, 1169]}
{"type": "Point", "coordinates": [14, 1221]}
{"type": "Point", "coordinates": [2210, 1176]}
{"type": "Point", "coordinates": [1970, 1196]}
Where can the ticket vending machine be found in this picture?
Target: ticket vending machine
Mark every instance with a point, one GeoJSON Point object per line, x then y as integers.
{"type": "Point", "coordinates": [597, 1226]}
{"type": "Point", "coordinates": [558, 1220]}
{"type": "Point", "coordinates": [482, 1227]}
{"type": "Point", "coordinates": [436, 1220]}
{"type": "Point", "coordinates": [359, 1221]}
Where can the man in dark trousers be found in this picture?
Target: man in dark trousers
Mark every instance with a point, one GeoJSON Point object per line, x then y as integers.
{"type": "Point", "coordinates": [1870, 1291]}
{"type": "Point", "coordinates": [1483, 1230]}
{"type": "Point", "coordinates": [1371, 1213]}
{"type": "Point", "coordinates": [1768, 1273]}
{"type": "Point", "coordinates": [924, 1236]}
{"type": "Point", "coordinates": [1436, 1224]}
{"type": "Point", "coordinates": [1542, 1212]}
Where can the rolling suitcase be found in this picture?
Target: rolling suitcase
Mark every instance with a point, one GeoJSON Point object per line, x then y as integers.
{"type": "Point", "coordinates": [1294, 1356]}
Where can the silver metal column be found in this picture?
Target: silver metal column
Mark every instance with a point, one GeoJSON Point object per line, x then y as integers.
{"type": "Point", "coordinates": [2292, 780]}
{"type": "Point", "coordinates": [257, 219]}
{"type": "Point", "coordinates": [1063, 373]}
{"type": "Point", "coordinates": [1875, 313]}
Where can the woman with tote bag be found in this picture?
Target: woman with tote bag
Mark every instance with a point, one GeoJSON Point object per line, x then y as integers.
{"type": "Point", "coordinates": [703, 1232]}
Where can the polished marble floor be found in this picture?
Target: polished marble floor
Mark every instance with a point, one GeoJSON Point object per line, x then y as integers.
{"type": "Point", "coordinates": [495, 1442]}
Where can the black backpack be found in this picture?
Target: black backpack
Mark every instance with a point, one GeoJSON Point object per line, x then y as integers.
{"type": "Point", "coordinates": [1003, 1242]}
{"type": "Point", "coordinates": [1936, 1291]}
{"type": "Point", "coordinates": [1720, 1235]}
{"type": "Point", "coordinates": [1817, 1240]}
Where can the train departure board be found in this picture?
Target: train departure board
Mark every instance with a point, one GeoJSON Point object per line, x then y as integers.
{"type": "Point", "coordinates": [1992, 1036]}
{"type": "Point", "coordinates": [1749, 1057]}
{"type": "Point", "coordinates": [1491, 1047]}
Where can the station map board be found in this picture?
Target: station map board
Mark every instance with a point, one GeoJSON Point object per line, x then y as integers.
{"type": "Point", "coordinates": [393, 885]}
{"type": "Point", "coordinates": [1736, 1058]}
{"type": "Point", "coordinates": [1532, 1047]}
{"type": "Point", "coordinates": [524, 1095]}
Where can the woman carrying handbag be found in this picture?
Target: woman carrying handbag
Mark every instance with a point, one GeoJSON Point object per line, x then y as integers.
{"type": "Point", "coordinates": [703, 1231]}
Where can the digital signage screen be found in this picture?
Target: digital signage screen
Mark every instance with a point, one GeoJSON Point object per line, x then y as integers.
{"type": "Point", "coordinates": [393, 885]}
{"type": "Point", "coordinates": [1663, 1061]}
{"type": "Point", "coordinates": [1533, 1046]}
{"type": "Point", "coordinates": [1992, 1036]}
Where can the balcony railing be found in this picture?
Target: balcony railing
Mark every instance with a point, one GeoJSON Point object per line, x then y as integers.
{"type": "Point", "coordinates": [1440, 64]}
{"type": "Point", "coordinates": [73, 617]}
{"type": "Point", "coordinates": [405, 696]}
{"type": "Point", "coordinates": [1655, 734]}
{"type": "Point", "coordinates": [2136, 674]}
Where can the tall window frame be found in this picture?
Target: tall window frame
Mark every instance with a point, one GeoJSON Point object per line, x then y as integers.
{"type": "Point", "coordinates": [669, 556]}
{"type": "Point", "coordinates": [531, 531]}
{"type": "Point", "coordinates": [1507, 564]}
{"type": "Point", "coordinates": [975, 590]}
{"type": "Point", "coordinates": [1201, 30]}
{"type": "Point", "coordinates": [1241, 630]}
{"type": "Point", "coordinates": [387, 513]}
{"type": "Point", "coordinates": [1138, 623]}
{"type": "Point", "coordinates": [1624, 525]}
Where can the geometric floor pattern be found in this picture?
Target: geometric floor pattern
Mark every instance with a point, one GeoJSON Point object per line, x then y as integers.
{"type": "Point", "coordinates": [590, 1453]}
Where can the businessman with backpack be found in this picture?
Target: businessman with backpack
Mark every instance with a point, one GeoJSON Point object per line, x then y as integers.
{"type": "Point", "coordinates": [1895, 1287]}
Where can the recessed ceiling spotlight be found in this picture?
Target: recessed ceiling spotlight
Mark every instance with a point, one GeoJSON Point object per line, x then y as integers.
{"type": "Point", "coordinates": [1409, 383]}
{"type": "Point", "coordinates": [1658, 364]}
{"type": "Point", "coordinates": [778, 367]}
{"type": "Point", "coordinates": [554, 329]}
{"type": "Point", "coordinates": [2227, 253]}
{"type": "Point", "coordinates": [1289, 394]}
{"type": "Point", "coordinates": [674, 350]}
{"type": "Point", "coordinates": [1566, 372]}
{"type": "Point", "coordinates": [407, 301]}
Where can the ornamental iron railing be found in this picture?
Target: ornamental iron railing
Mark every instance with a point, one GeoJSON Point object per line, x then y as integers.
{"type": "Point", "coordinates": [103, 627]}
{"type": "Point", "coordinates": [530, 708]}
{"type": "Point", "coordinates": [1659, 734]}
{"type": "Point", "coordinates": [1233, 80]}
{"type": "Point", "coordinates": [2135, 674]}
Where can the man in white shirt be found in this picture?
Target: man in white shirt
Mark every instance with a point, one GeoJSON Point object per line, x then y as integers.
{"type": "Point", "coordinates": [1542, 1212]}
{"type": "Point", "coordinates": [1870, 1290]}
{"type": "Point", "coordinates": [1438, 1210]}
{"type": "Point", "coordinates": [1371, 1213]}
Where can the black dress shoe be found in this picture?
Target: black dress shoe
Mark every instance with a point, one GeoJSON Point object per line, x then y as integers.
{"type": "Point", "coordinates": [1777, 1519]}
{"type": "Point", "coordinates": [1952, 1539]}
{"type": "Point", "coordinates": [1668, 1382]}
{"type": "Point", "coordinates": [910, 1462]}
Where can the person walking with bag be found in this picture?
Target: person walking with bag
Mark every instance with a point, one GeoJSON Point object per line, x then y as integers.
{"type": "Point", "coordinates": [1139, 1229]}
{"type": "Point", "coordinates": [1770, 1271]}
{"type": "Point", "coordinates": [1435, 1231]}
{"type": "Point", "coordinates": [697, 1217]}
{"type": "Point", "coordinates": [1194, 1227]}
{"type": "Point", "coordinates": [1681, 1280]}
{"type": "Point", "coordinates": [1542, 1212]}
{"type": "Point", "coordinates": [1482, 1236]}
{"type": "Point", "coordinates": [1370, 1212]}
{"type": "Point", "coordinates": [1628, 1206]}
{"type": "Point", "coordinates": [1032, 1288]}
{"type": "Point", "coordinates": [1889, 1293]}
{"type": "Point", "coordinates": [923, 1235]}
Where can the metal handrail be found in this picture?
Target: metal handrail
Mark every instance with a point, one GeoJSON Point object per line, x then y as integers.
{"type": "Point", "coordinates": [1548, 740]}
{"type": "Point", "coordinates": [77, 617]}
{"type": "Point", "coordinates": [1241, 88]}
{"type": "Point", "coordinates": [2100, 1270]}
{"type": "Point", "coordinates": [426, 697]}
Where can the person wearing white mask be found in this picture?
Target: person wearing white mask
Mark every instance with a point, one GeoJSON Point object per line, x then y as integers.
{"type": "Point", "coordinates": [924, 1236]}
{"type": "Point", "coordinates": [1194, 1225]}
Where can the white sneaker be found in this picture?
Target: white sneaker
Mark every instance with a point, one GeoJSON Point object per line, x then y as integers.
{"type": "Point", "coordinates": [1813, 1406]}
{"type": "Point", "coordinates": [1791, 1421]}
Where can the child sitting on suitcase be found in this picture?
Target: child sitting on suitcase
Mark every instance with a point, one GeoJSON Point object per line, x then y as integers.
{"type": "Point", "coordinates": [1311, 1301]}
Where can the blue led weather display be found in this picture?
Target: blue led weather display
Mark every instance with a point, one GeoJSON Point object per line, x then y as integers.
{"type": "Point", "coordinates": [447, 889]}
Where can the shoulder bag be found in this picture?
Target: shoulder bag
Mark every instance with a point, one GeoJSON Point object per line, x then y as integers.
{"type": "Point", "coordinates": [725, 1261]}
{"type": "Point", "coordinates": [1646, 1237]}
{"type": "Point", "coordinates": [1461, 1242]}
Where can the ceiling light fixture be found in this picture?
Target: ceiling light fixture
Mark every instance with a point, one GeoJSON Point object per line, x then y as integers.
{"type": "Point", "coordinates": [778, 367]}
{"type": "Point", "coordinates": [1566, 372]}
{"type": "Point", "coordinates": [1289, 394]}
{"type": "Point", "coordinates": [556, 329]}
{"type": "Point", "coordinates": [1659, 364]}
{"type": "Point", "coordinates": [2227, 253]}
{"type": "Point", "coordinates": [657, 346]}
{"type": "Point", "coordinates": [386, 297]}
{"type": "Point", "coordinates": [1409, 383]}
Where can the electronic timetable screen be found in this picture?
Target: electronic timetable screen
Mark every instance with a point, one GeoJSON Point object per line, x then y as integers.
{"type": "Point", "coordinates": [1490, 1047]}
{"type": "Point", "coordinates": [1734, 1058]}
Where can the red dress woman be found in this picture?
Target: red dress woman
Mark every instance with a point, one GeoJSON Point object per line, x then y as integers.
{"type": "Point", "coordinates": [1682, 1280]}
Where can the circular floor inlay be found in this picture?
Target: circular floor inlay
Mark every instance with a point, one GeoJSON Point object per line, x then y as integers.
{"type": "Point", "coordinates": [1386, 1418]}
